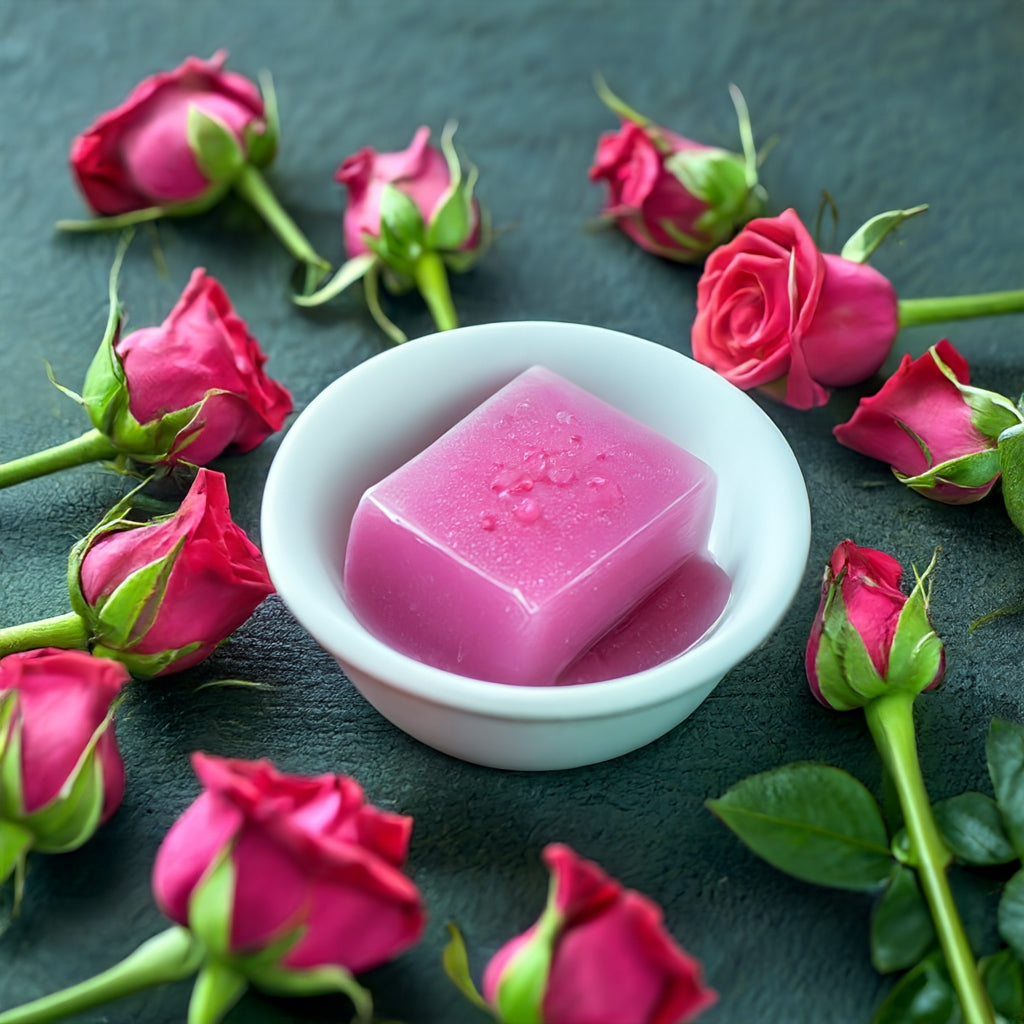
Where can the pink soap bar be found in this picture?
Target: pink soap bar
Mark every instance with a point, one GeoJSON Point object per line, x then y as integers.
{"type": "Point", "coordinates": [506, 548]}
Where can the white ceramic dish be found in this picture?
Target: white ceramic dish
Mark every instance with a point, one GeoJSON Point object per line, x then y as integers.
{"type": "Point", "coordinates": [384, 411]}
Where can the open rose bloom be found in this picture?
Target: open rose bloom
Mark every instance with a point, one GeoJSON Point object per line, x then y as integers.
{"type": "Point", "coordinates": [61, 774]}
{"type": "Point", "coordinates": [937, 432]}
{"type": "Point", "coordinates": [300, 867]}
{"type": "Point", "coordinates": [774, 312]}
{"type": "Point", "coordinates": [869, 637]}
{"type": "Point", "coordinates": [598, 955]}
{"type": "Point", "coordinates": [157, 149]}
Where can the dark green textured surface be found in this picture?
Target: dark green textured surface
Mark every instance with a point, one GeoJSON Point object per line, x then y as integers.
{"type": "Point", "coordinates": [885, 105]}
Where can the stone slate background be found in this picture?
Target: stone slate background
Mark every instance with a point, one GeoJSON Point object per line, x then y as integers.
{"type": "Point", "coordinates": [882, 105]}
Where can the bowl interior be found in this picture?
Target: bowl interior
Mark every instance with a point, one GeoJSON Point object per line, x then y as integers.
{"type": "Point", "coordinates": [380, 414]}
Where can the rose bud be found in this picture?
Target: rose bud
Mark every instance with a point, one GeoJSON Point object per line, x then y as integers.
{"type": "Point", "coordinates": [161, 596]}
{"type": "Point", "coordinates": [869, 638]}
{"type": "Point", "coordinates": [61, 774]}
{"type": "Point", "coordinates": [176, 146]}
{"type": "Point", "coordinates": [598, 952]}
{"type": "Point", "coordinates": [775, 313]}
{"type": "Point", "coordinates": [937, 432]}
{"type": "Point", "coordinates": [186, 391]}
{"type": "Point", "coordinates": [674, 197]}
{"type": "Point", "coordinates": [301, 868]}
{"type": "Point", "coordinates": [411, 216]}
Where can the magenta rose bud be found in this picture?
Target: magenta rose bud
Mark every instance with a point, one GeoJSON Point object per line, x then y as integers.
{"type": "Point", "coordinates": [937, 432]}
{"type": "Point", "coordinates": [301, 866]}
{"type": "Point", "coordinates": [599, 954]}
{"type": "Point", "coordinates": [774, 312]}
{"type": "Point", "coordinates": [161, 596]}
{"type": "Point", "coordinates": [868, 637]}
{"type": "Point", "coordinates": [674, 197]}
{"type": "Point", "coordinates": [188, 390]}
{"type": "Point", "coordinates": [61, 774]}
{"type": "Point", "coordinates": [156, 149]}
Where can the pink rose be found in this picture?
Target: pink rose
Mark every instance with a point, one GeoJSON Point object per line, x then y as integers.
{"type": "Point", "coordinates": [674, 197]}
{"type": "Point", "coordinates": [190, 389]}
{"type": "Point", "coordinates": [598, 955]}
{"type": "Point", "coordinates": [161, 596]}
{"type": "Point", "coordinates": [925, 423]}
{"type": "Point", "coordinates": [312, 865]}
{"type": "Point", "coordinates": [61, 774]}
{"type": "Point", "coordinates": [861, 643]}
{"type": "Point", "coordinates": [147, 153]}
{"type": "Point", "coordinates": [773, 311]}
{"type": "Point", "coordinates": [421, 172]}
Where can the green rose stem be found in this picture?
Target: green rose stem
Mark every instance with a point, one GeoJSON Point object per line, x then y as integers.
{"type": "Point", "coordinates": [169, 956]}
{"type": "Point", "coordinates": [90, 447]}
{"type": "Point", "coordinates": [64, 631]}
{"type": "Point", "coordinates": [913, 312]}
{"type": "Point", "coordinates": [891, 721]}
{"type": "Point", "coordinates": [253, 188]}
{"type": "Point", "coordinates": [432, 282]}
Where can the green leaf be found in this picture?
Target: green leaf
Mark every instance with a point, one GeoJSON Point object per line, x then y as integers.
{"type": "Point", "coordinates": [1003, 977]}
{"type": "Point", "coordinates": [1010, 915]}
{"type": "Point", "coordinates": [456, 965]}
{"type": "Point", "coordinates": [813, 821]}
{"type": "Point", "coordinates": [216, 990]}
{"type": "Point", "coordinates": [215, 146]}
{"type": "Point", "coordinates": [924, 995]}
{"type": "Point", "coordinates": [973, 829]}
{"type": "Point", "coordinates": [1011, 462]}
{"type": "Point", "coordinates": [1004, 750]}
{"type": "Point", "coordinates": [901, 928]}
{"type": "Point", "coordinates": [867, 238]}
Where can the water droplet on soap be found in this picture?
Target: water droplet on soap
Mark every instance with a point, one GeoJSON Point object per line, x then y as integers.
{"type": "Point", "coordinates": [511, 480]}
{"type": "Point", "coordinates": [527, 510]}
{"type": "Point", "coordinates": [487, 521]}
{"type": "Point", "coordinates": [535, 463]}
{"type": "Point", "coordinates": [565, 417]}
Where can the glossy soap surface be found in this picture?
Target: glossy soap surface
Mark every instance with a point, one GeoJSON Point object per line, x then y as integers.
{"type": "Point", "coordinates": [525, 533]}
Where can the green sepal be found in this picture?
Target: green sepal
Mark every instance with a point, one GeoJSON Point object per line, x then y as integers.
{"type": "Point", "coordinates": [1003, 977]}
{"type": "Point", "coordinates": [15, 843]}
{"type": "Point", "coordinates": [924, 995]}
{"type": "Point", "coordinates": [968, 471]}
{"type": "Point", "coordinates": [217, 988]}
{"type": "Point", "coordinates": [123, 618]}
{"type": "Point", "coordinates": [455, 962]}
{"type": "Point", "coordinates": [73, 816]}
{"type": "Point", "coordinates": [973, 829]}
{"type": "Point", "coordinates": [618, 106]}
{"type": "Point", "coordinates": [846, 675]}
{"type": "Point", "coordinates": [401, 223]}
{"type": "Point", "coordinates": [211, 905]}
{"type": "Point", "coordinates": [347, 274]}
{"type": "Point", "coordinates": [901, 927]}
{"type": "Point", "coordinates": [452, 221]}
{"type": "Point", "coordinates": [870, 235]}
{"type": "Point", "coordinates": [1011, 464]}
{"type": "Point", "coordinates": [261, 146]}
{"type": "Point", "coordinates": [991, 413]}
{"type": "Point", "coordinates": [216, 148]}
{"type": "Point", "coordinates": [815, 822]}
{"type": "Point", "coordinates": [519, 997]}
{"type": "Point", "coordinates": [286, 981]}
{"type": "Point", "coordinates": [1010, 915]}
{"type": "Point", "coordinates": [1004, 752]}
{"type": "Point", "coordinates": [11, 804]}
{"type": "Point", "coordinates": [388, 254]}
{"type": "Point", "coordinates": [120, 221]}
{"type": "Point", "coordinates": [916, 653]}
